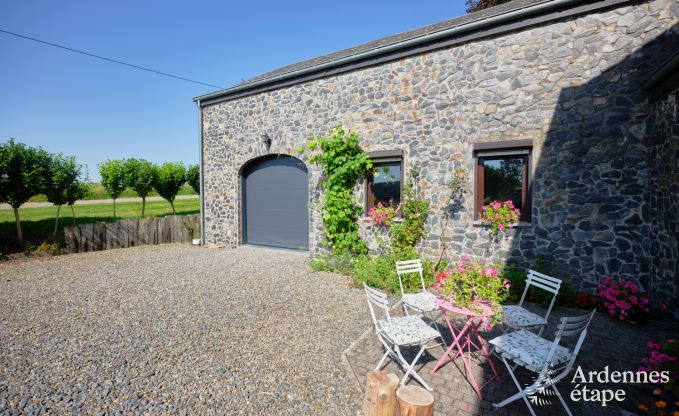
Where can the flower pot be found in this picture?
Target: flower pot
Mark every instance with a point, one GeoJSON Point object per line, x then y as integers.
{"type": "Point", "coordinates": [196, 241]}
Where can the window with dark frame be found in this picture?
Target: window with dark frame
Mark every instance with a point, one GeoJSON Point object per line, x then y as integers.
{"type": "Point", "coordinates": [503, 173]}
{"type": "Point", "coordinates": [386, 183]}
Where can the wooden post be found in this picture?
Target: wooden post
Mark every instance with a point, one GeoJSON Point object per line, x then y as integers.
{"type": "Point", "coordinates": [99, 236]}
{"type": "Point", "coordinates": [89, 237]}
{"type": "Point", "coordinates": [133, 232]}
{"type": "Point", "coordinates": [153, 231]}
{"type": "Point", "coordinates": [380, 394]}
{"type": "Point", "coordinates": [111, 236]}
{"type": "Point", "coordinates": [415, 401]}
{"type": "Point", "coordinates": [123, 234]}
{"type": "Point", "coordinates": [71, 239]}
{"type": "Point", "coordinates": [143, 231]}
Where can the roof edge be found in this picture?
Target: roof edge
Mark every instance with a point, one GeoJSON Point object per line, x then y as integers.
{"type": "Point", "coordinates": [484, 23]}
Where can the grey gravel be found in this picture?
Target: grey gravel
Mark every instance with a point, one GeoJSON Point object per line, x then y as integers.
{"type": "Point", "coordinates": [176, 329]}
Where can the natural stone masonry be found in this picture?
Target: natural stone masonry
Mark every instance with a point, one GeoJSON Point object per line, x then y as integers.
{"type": "Point", "coordinates": [665, 200]}
{"type": "Point", "coordinates": [571, 86]}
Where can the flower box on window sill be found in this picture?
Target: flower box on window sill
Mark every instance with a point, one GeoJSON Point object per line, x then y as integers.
{"type": "Point", "coordinates": [396, 219]}
{"type": "Point", "coordinates": [479, 223]}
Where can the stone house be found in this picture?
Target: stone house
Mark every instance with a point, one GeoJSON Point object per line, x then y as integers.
{"type": "Point", "coordinates": [569, 108]}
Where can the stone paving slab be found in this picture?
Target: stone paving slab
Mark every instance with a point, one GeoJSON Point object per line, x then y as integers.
{"type": "Point", "coordinates": [619, 345]}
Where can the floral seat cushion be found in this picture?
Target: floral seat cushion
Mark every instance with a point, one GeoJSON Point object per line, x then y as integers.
{"type": "Point", "coordinates": [515, 316]}
{"type": "Point", "coordinates": [423, 301]}
{"type": "Point", "coordinates": [407, 330]}
{"type": "Point", "coordinates": [529, 350]}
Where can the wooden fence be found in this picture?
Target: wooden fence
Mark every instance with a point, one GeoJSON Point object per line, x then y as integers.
{"type": "Point", "coordinates": [130, 232]}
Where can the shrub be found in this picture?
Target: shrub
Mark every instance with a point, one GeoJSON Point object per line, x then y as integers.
{"type": "Point", "coordinates": [168, 179]}
{"type": "Point", "coordinates": [23, 172]}
{"type": "Point", "coordinates": [380, 271]}
{"type": "Point", "coordinates": [623, 299]}
{"type": "Point", "coordinates": [113, 179]}
{"type": "Point", "coordinates": [415, 210]}
{"type": "Point", "coordinates": [585, 301]}
{"type": "Point", "coordinates": [139, 174]}
{"type": "Point", "coordinates": [517, 280]}
{"type": "Point", "coordinates": [193, 177]}
{"type": "Point", "coordinates": [664, 356]}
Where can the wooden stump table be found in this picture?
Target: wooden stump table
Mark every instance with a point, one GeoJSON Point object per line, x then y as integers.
{"type": "Point", "coordinates": [380, 394]}
{"type": "Point", "coordinates": [414, 401]}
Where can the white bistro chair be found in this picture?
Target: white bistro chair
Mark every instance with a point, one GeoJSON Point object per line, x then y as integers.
{"type": "Point", "coordinates": [551, 361]}
{"type": "Point", "coordinates": [517, 317]}
{"type": "Point", "coordinates": [422, 303]}
{"type": "Point", "coordinates": [397, 332]}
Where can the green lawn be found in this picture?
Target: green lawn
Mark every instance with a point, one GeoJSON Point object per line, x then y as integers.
{"type": "Point", "coordinates": [96, 191]}
{"type": "Point", "coordinates": [37, 223]}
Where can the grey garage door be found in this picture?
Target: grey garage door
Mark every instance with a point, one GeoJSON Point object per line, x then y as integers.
{"type": "Point", "coordinates": [275, 195]}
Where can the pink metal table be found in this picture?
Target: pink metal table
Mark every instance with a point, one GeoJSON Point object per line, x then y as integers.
{"type": "Point", "coordinates": [466, 337]}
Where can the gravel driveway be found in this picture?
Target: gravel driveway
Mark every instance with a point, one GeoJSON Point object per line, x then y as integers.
{"type": "Point", "coordinates": [176, 329]}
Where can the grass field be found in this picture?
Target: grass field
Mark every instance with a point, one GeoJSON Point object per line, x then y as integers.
{"type": "Point", "coordinates": [37, 223]}
{"type": "Point", "coordinates": [96, 191]}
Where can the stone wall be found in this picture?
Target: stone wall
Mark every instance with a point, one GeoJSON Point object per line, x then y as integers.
{"type": "Point", "coordinates": [664, 132]}
{"type": "Point", "coordinates": [570, 86]}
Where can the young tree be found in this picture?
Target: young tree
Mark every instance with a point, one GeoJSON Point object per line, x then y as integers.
{"type": "Point", "coordinates": [64, 172]}
{"type": "Point", "coordinates": [476, 5]}
{"type": "Point", "coordinates": [193, 177]}
{"type": "Point", "coordinates": [23, 171]}
{"type": "Point", "coordinates": [139, 176]}
{"type": "Point", "coordinates": [77, 190]}
{"type": "Point", "coordinates": [167, 181]}
{"type": "Point", "coordinates": [113, 179]}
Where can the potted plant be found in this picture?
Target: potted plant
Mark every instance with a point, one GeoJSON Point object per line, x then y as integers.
{"type": "Point", "coordinates": [474, 285]}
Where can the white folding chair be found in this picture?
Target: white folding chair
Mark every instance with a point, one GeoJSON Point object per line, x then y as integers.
{"type": "Point", "coordinates": [397, 332]}
{"type": "Point", "coordinates": [550, 360]}
{"type": "Point", "coordinates": [423, 303]}
{"type": "Point", "coordinates": [518, 317]}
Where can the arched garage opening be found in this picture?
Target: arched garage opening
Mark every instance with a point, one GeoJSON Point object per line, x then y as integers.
{"type": "Point", "coordinates": [275, 202]}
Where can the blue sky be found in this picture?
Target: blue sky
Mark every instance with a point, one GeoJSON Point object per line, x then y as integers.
{"type": "Point", "coordinates": [96, 110]}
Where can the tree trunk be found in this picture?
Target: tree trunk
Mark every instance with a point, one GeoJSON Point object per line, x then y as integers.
{"type": "Point", "coordinates": [73, 214]}
{"type": "Point", "coordinates": [415, 401]}
{"type": "Point", "coordinates": [20, 235]}
{"type": "Point", "coordinates": [143, 205]}
{"type": "Point", "coordinates": [173, 210]}
{"type": "Point", "coordinates": [114, 208]}
{"type": "Point", "coordinates": [380, 394]}
{"type": "Point", "coordinates": [56, 223]}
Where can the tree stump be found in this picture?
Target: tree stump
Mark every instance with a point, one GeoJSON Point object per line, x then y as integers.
{"type": "Point", "coordinates": [415, 401]}
{"type": "Point", "coordinates": [380, 394]}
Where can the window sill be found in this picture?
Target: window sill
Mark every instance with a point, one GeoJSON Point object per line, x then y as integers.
{"type": "Point", "coordinates": [520, 224]}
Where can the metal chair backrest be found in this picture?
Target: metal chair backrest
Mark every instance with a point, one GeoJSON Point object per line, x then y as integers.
{"type": "Point", "coordinates": [407, 267]}
{"type": "Point", "coordinates": [377, 299]}
{"type": "Point", "coordinates": [570, 326]}
{"type": "Point", "coordinates": [544, 282]}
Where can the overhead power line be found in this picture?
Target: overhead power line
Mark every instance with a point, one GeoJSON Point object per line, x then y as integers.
{"type": "Point", "coordinates": [109, 59]}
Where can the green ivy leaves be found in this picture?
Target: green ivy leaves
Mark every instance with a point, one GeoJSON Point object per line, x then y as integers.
{"type": "Point", "coordinates": [343, 162]}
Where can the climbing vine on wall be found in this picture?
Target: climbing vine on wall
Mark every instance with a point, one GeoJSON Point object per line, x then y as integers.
{"type": "Point", "coordinates": [343, 162]}
{"type": "Point", "coordinates": [406, 234]}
